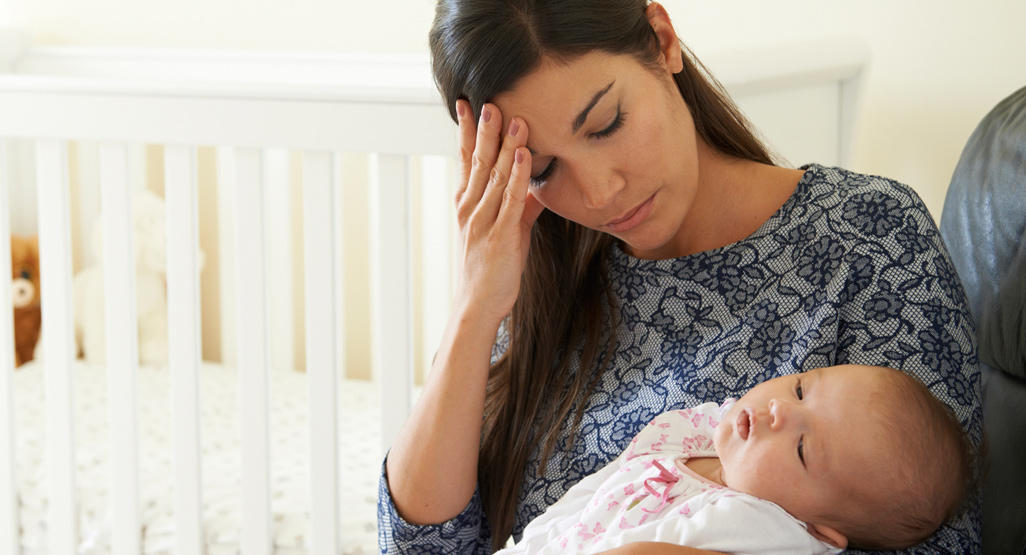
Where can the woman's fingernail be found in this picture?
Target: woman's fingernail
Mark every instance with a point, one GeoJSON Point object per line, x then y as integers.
{"type": "Point", "coordinates": [486, 114]}
{"type": "Point", "coordinates": [520, 156]}
{"type": "Point", "coordinates": [460, 109]}
{"type": "Point", "coordinates": [514, 126]}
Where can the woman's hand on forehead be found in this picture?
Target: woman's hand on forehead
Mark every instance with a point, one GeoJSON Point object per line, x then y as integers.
{"type": "Point", "coordinates": [494, 210]}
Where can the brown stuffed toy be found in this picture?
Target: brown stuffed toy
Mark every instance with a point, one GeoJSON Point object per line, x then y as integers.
{"type": "Point", "coordinates": [28, 317]}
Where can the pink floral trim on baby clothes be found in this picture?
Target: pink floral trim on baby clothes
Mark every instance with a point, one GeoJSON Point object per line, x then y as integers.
{"type": "Point", "coordinates": [648, 485]}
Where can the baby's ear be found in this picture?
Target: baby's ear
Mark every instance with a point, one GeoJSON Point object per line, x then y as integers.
{"type": "Point", "coordinates": [827, 534]}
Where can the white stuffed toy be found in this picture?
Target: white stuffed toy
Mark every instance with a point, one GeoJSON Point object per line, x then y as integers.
{"type": "Point", "coordinates": [150, 283]}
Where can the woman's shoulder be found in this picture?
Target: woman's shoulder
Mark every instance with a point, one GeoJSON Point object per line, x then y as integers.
{"type": "Point", "coordinates": [871, 206]}
{"type": "Point", "coordinates": [845, 183]}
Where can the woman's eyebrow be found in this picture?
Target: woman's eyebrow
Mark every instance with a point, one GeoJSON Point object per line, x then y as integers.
{"type": "Point", "coordinates": [594, 100]}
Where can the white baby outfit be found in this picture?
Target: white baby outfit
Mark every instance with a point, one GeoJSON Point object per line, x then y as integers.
{"type": "Point", "coordinates": [648, 494]}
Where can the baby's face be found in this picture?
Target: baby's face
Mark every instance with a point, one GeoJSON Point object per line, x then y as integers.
{"type": "Point", "coordinates": [800, 441]}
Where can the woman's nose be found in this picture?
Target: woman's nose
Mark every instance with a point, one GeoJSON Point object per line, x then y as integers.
{"type": "Point", "coordinates": [600, 186]}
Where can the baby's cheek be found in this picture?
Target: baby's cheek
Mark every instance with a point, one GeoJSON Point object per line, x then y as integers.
{"type": "Point", "coordinates": [756, 475]}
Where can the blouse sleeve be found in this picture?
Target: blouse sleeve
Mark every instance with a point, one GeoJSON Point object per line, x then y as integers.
{"type": "Point", "coordinates": [466, 533]}
{"type": "Point", "coordinates": [904, 307]}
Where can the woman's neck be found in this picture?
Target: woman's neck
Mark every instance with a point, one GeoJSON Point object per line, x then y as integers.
{"type": "Point", "coordinates": [735, 197]}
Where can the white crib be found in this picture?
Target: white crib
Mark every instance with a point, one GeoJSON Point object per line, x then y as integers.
{"type": "Point", "coordinates": [260, 111]}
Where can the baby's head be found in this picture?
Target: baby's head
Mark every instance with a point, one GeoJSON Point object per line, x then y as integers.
{"type": "Point", "coordinates": [864, 455]}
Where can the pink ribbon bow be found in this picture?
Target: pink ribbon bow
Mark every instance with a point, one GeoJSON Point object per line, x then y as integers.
{"type": "Point", "coordinates": [665, 477]}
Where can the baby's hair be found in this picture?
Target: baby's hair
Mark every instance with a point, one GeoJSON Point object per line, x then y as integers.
{"type": "Point", "coordinates": [931, 475]}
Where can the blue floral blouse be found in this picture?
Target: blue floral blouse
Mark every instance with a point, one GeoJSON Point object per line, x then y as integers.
{"type": "Point", "coordinates": [851, 269]}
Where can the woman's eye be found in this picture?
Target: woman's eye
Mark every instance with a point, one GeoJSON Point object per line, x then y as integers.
{"type": "Point", "coordinates": [801, 449]}
{"type": "Point", "coordinates": [617, 124]}
{"type": "Point", "coordinates": [539, 180]}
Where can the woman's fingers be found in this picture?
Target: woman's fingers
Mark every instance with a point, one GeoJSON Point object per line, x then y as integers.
{"type": "Point", "coordinates": [499, 178]}
{"type": "Point", "coordinates": [486, 149]}
{"type": "Point", "coordinates": [518, 205]}
{"type": "Point", "coordinates": [468, 132]}
{"type": "Point", "coordinates": [495, 228]}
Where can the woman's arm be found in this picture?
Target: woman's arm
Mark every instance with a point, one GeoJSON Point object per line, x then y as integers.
{"type": "Point", "coordinates": [432, 466]}
{"type": "Point", "coordinates": [656, 548]}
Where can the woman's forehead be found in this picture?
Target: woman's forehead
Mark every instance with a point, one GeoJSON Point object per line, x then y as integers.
{"type": "Point", "coordinates": [553, 95]}
{"type": "Point", "coordinates": [558, 86]}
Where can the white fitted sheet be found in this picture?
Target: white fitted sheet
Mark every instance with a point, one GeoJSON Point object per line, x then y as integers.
{"type": "Point", "coordinates": [359, 455]}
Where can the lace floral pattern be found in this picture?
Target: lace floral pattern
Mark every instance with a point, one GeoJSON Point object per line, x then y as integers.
{"type": "Point", "coordinates": [850, 270]}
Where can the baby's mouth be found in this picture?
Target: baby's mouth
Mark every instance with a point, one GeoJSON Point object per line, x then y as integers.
{"type": "Point", "coordinates": [744, 424]}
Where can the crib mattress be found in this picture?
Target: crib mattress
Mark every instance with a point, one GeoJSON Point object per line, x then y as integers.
{"type": "Point", "coordinates": [360, 460]}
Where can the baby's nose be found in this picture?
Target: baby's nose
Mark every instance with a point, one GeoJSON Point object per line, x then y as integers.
{"type": "Point", "coordinates": [778, 414]}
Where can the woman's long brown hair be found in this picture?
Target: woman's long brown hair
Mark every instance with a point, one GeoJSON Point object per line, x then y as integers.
{"type": "Point", "coordinates": [480, 48]}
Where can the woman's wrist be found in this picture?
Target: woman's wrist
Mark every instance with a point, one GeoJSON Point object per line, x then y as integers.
{"type": "Point", "coordinates": [475, 315]}
{"type": "Point", "coordinates": [468, 340]}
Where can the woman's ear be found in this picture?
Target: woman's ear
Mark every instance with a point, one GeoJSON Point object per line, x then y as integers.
{"type": "Point", "coordinates": [827, 534]}
{"type": "Point", "coordinates": [669, 45]}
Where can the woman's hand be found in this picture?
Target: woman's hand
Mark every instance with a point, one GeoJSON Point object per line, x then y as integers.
{"type": "Point", "coordinates": [494, 210]}
{"type": "Point", "coordinates": [432, 466]}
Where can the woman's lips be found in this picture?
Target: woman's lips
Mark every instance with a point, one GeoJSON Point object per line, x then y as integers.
{"type": "Point", "coordinates": [744, 424]}
{"type": "Point", "coordinates": [633, 218]}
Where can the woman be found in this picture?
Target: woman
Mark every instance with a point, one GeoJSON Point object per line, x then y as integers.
{"type": "Point", "coordinates": [634, 249]}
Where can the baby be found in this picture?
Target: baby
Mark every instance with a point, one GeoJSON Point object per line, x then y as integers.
{"type": "Point", "coordinates": [843, 456]}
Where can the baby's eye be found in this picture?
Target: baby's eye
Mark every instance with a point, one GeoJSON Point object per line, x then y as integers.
{"type": "Point", "coordinates": [798, 390]}
{"type": "Point", "coordinates": [801, 449]}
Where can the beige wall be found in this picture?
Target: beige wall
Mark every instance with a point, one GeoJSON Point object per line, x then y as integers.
{"type": "Point", "coordinates": [937, 67]}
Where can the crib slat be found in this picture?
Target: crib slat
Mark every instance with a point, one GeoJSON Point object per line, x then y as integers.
{"type": "Point", "coordinates": [8, 466]}
{"type": "Point", "coordinates": [58, 341]}
{"type": "Point", "coordinates": [436, 244]}
{"type": "Point", "coordinates": [85, 204]}
{"type": "Point", "coordinates": [322, 334]}
{"type": "Point", "coordinates": [278, 219]}
{"type": "Point", "coordinates": [253, 354]}
{"type": "Point", "coordinates": [226, 251]}
{"type": "Point", "coordinates": [183, 296]}
{"type": "Point", "coordinates": [121, 349]}
{"type": "Point", "coordinates": [391, 310]}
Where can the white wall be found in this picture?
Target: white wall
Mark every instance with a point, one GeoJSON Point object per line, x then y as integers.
{"type": "Point", "coordinates": [937, 66]}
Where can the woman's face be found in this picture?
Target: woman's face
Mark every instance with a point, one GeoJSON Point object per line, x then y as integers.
{"type": "Point", "coordinates": [613, 147]}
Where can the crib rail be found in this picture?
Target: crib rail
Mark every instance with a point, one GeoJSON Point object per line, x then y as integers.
{"type": "Point", "coordinates": [251, 128]}
{"type": "Point", "coordinates": [317, 118]}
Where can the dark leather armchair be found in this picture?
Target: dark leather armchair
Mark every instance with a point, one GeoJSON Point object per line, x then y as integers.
{"type": "Point", "coordinates": [984, 227]}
